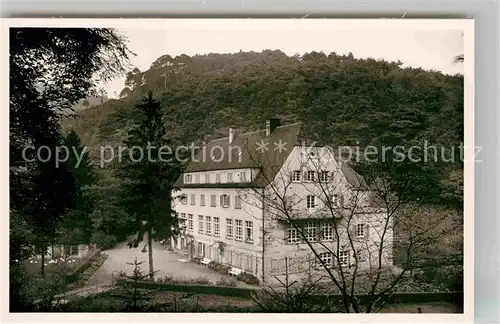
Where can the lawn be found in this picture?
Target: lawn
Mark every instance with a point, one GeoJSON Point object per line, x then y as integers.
{"type": "Point", "coordinates": [33, 266]}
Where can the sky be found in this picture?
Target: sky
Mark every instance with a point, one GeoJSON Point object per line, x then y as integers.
{"type": "Point", "coordinates": [425, 48]}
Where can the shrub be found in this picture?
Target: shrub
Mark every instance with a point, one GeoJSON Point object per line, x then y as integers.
{"type": "Point", "coordinates": [225, 282]}
{"type": "Point", "coordinates": [248, 278]}
{"type": "Point", "coordinates": [166, 279]}
{"type": "Point", "coordinates": [219, 267]}
{"type": "Point", "coordinates": [200, 280]}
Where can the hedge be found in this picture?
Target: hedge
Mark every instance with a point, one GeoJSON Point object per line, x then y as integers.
{"type": "Point", "coordinates": [455, 297]}
{"type": "Point", "coordinates": [198, 289]}
{"type": "Point", "coordinates": [73, 276]}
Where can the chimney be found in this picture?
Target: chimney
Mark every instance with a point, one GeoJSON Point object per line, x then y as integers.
{"type": "Point", "coordinates": [271, 125]}
{"type": "Point", "coordinates": [231, 135]}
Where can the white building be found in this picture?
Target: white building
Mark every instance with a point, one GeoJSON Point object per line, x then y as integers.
{"type": "Point", "coordinates": [240, 196]}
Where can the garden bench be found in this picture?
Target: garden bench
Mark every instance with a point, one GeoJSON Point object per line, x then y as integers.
{"type": "Point", "coordinates": [205, 261]}
{"type": "Point", "coordinates": [234, 271]}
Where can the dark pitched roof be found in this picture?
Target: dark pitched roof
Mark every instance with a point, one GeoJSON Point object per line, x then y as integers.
{"type": "Point", "coordinates": [354, 179]}
{"type": "Point", "coordinates": [219, 154]}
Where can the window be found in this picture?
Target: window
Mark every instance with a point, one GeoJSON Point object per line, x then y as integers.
{"type": "Point", "coordinates": [217, 177]}
{"type": "Point", "coordinates": [326, 259]}
{"type": "Point", "coordinates": [310, 175]}
{"type": "Point", "coordinates": [196, 178]}
{"type": "Point", "coordinates": [296, 176]}
{"type": "Point", "coordinates": [202, 200]}
{"type": "Point", "coordinates": [188, 178]}
{"type": "Point", "coordinates": [224, 201]}
{"type": "Point", "coordinates": [344, 258]}
{"type": "Point", "coordinates": [216, 226]}
{"type": "Point", "coordinates": [237, 202]}
{"type": "Point", "coordinates": [293, 236]}
{"type": "Point", "coordinates": [239, 230]}
{"type": "Point", "coordinates": [192, 199]}
{"type": "Point", "coordinates": [248, 231]}
{"type": "Point", "coordinates": [200, 224]}
{"type": "Point", "coordinates": [208, 225]}
{"type": "Point", "coordinates": [360, 230]}
{"type": "Point", "coordinates": [213, 198]}
{"type": "Point", "coordinates": [243, 176]}
{"type": "Point", "coordinates": [184, 199]}
{"type": "Point", "coordinates": [190, 222]}
{"type": "Point", "coordinates": [311, 201]}
{"type": "Point", "coordinates": [229, 228]}
{"type": "Point", "coordinates": [324, 176]}
{"type": "Point", "coordinates": [207, 178]}
{"type": "Point", "coordinates": [310, 232]}
{"type": "Point", "coordinates": [327, 232]}
{"type": "Point", "coordinates": [229, 177]}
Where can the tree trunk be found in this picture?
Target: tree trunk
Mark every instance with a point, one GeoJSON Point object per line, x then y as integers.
{"type": "Point", "coordinates": [150, 252]}
{"type": "Point", "coordinates": [42, 265]}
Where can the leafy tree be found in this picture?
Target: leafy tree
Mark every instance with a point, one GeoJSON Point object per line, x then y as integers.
{"type": "Point", "coordinates": [50, 70]}
{"type": "Point", "coordinates": [148, 181]}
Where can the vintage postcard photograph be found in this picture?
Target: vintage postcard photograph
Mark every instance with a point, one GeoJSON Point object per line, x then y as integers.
{"type": "Point", "coordinates": [240, 166]}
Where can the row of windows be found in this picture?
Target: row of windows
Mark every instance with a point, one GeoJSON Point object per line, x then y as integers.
{"type": "Point", "coordinates": [310, 176]}
{"type": "Point", "coordinates": [224, 200]}
{"type": "Point", "coordinates": [335, 201]}
{"type": "Point", "coordinates": [327, 258]}
{"type": "Point", "coordinates": [209, 225]}
{"type": "Point", "coordinates": [343, 258]}
{"type": "Point", "coordinates": [323, 231]}
{"type": "Point", "coordinates": [235, 176]}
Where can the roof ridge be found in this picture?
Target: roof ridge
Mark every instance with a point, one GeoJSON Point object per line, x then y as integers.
{"type": "Point", "coordinates": [256, 131]}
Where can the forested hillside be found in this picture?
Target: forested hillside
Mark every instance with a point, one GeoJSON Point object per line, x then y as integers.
{"type": "Point", "coordinates": [341, 100]}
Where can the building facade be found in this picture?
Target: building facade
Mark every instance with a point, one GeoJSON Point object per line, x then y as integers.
{"type": "Point", "coordinates": [259, 201]}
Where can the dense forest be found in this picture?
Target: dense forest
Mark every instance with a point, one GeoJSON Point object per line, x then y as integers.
{"type": "Point", "coordinates": [342, 101]}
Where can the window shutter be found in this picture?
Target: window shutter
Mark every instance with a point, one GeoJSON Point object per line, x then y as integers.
{"type": "Point", "coordinates": [367, 231]}
{"type": "Point", "coordinates": [228, 201]}
{"type": "Point", "coordinates": [352, 232]}
{"type": "Point", "coordinates": [220, 198]}
{"type": "Point", "coordinates": [290, 176]}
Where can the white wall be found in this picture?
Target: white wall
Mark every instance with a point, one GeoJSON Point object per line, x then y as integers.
{"type": "Point", "coordinates": [235, 251]}
{"type": "Point", "coordinates": [299, 255]}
